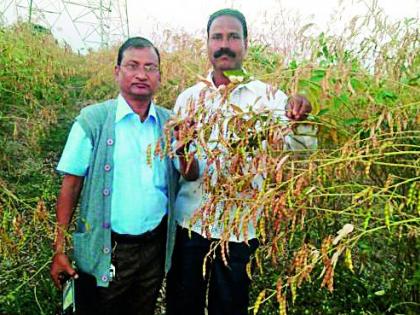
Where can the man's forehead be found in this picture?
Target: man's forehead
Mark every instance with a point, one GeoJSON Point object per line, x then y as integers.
{"type": "Point", "coordinates": [146, 53]}
{"type": "Point", "coordinates": [225, 23]}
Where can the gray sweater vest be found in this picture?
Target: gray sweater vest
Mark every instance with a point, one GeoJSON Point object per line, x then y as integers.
{"type": "Point", "coordinates": [92, 239]}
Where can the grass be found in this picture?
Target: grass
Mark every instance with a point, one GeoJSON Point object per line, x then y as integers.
{"type": "Point", "coordinates": [366, 97]}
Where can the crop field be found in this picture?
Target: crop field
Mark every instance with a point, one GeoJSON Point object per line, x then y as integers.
{"type": "Point", "coordinates": [339, 227]}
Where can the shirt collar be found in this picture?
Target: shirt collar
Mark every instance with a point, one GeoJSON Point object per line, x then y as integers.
{"type": "Point", "coordinates": [247, 85]}
{"type": "Point", "coordinates": [123, 109]}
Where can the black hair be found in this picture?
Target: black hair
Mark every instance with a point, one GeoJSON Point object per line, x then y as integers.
{"type": "Point", "coordinates": [230, 12]}
{"type": "Point", "coordinates": [136, 42]}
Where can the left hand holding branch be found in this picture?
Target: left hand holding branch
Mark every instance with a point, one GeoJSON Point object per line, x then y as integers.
{"type": "Point", "coordinates": [298, 107]}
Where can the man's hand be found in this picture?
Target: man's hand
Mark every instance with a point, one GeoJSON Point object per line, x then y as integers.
{"type": "Point", "coordinates": [184, 135]}
{"type": "Point", "coordinates": [60, 268]}
{"type": "Point", "coordinates": [298, 107]}
{"type": "Point", "coordinates": [66, 202]}
{"type": "Point", "coordinates": [184, 132]}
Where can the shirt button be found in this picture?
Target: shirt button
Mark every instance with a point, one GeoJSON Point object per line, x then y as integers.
{"type": "Point", "coordinates": [109, 141]}
{"type": "Point", "coordinates": [104, 278]}
{"type": "Point", "coordinates": [107, 167]}
{"type": "Point", "coordinates": [106, 225]}
{"type": "Point", "coordinates": [106, 192]}
{"type": "Point", "coordinates": [106, 250]}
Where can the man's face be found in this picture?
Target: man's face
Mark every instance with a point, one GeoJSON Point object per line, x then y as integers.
{"type": "Point", "coordinates": [138, 76]}
{"type": "Point", "coordinates": [226, 44]}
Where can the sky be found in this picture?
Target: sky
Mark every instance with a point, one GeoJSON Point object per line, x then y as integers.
{"type": "Point", "coordinates": [151, 18]}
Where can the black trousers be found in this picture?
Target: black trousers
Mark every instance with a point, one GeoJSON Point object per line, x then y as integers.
{"type": "Point", "coordinates": [139, 265]}
{"type": "Point", "coordinates": [228, 286]}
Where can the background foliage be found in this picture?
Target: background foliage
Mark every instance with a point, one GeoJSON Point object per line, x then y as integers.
{"type": "Point", "coordinates": [366, 97]}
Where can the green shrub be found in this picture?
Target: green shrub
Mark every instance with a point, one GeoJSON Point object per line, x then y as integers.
{"type": "Point", "coordinates": [366, 103]}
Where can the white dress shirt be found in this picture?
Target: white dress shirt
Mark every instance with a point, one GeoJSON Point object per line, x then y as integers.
{"type": "Point", "coordinates": [254, 95]}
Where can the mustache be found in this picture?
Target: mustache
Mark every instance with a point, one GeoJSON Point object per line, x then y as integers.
{"type": "Point", "coordinates": [224, 51]}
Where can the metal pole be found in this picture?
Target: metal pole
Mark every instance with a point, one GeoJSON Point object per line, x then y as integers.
{"type": "Point", "coordinates": [126, 16]}
{"type": "Point", "coordinates": [30, 11]}
{"type": "Point", "coordinates": [101, 25]}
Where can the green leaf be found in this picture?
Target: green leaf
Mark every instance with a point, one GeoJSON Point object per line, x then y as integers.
{"type": "Point", "coordinates": [303, 83]}
{"type": "Point", "coordinates": [317, 75]}
{"type": "Point", "coordinates": [325, 51]}
{"type": "Point", "coordinates": [352, 121]}
{"type": "Point", "coordinates": [323, 111]}
{"type": "Point", "coordinates": [356, 84]}
{"type": "Point", "coordinates": [236, 72]}
{"type": "Point", "coordinates": [340, 100]}
{"type": "Point", "coordinates": [389, 94]}
{"type": "Point", "coordinates": [384, 96]}
{"type": "Point", "coordinates": [293, 65]}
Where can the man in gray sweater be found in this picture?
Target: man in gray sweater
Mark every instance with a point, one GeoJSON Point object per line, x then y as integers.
{"type": "Point", "coordinates": [127, 193]}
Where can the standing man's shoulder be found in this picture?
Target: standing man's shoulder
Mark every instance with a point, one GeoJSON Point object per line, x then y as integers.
{"type": "Point", "coordinates": [269, 96]}
{"type": "Point", "coordinates": [266, 89]}
{"type": "Point", "coordinates": [162, 109]}
{"type": "Point", "coordinates": [97, 112]}
{"type": "Point", "coordinates": [93, 117]}
{"type": "Point", "coordinates": [163, 112]}
{"type": "Point", "coordinates": [98, 109]}
{"type": "Point", "coordinates": [193, 92]}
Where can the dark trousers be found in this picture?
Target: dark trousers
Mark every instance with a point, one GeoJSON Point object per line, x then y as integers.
{"type": "Point", "coordinates": [228, 286]}
{"type": "Point", "coordinates": [139, 265]}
